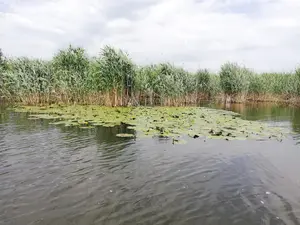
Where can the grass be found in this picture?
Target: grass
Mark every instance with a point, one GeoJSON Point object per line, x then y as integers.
{"type": "Point", "coordinates": [113, 79]}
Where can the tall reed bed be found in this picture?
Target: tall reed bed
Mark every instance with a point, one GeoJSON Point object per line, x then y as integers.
{"type": "Point", "coordinates": [112, 79]}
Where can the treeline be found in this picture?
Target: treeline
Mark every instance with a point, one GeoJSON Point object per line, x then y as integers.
{"type": "Point", "coordinates": [112, 78]}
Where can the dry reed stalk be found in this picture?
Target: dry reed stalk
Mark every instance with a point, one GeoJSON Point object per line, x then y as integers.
{"type": "Point", "coordinates": [115, 99]}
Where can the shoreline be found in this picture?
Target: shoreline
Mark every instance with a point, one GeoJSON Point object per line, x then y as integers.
{"type": "Point", "coordinates": [109, 100]}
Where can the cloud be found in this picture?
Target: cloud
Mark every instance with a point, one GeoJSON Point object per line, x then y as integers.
{"type": "Point", "coordinates": [262, 34]}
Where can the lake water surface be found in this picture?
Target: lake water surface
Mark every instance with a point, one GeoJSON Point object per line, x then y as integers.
{"type": "Point", "coordinates": [57, 175]}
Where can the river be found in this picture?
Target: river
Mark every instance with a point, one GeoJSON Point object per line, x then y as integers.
{"type": "Point", "coordinates": [57, 175]}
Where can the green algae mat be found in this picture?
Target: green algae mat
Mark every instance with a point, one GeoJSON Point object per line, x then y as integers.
{"type": "Point", "coordinates": [173, 122]}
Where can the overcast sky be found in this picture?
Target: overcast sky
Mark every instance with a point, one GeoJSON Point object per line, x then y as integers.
{"type": "Point", "coordinates": [262, 34]}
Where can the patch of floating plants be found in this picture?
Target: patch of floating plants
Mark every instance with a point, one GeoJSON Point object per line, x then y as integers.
{"type": "Point", "coordinates": [169, 122]}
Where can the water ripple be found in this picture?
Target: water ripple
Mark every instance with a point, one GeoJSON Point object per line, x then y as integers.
{"type": "Point", "coordinates": [54, 175]}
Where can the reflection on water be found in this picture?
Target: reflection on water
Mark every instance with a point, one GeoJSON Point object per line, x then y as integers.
{"type": "Point", "coordinates": [58, 175]}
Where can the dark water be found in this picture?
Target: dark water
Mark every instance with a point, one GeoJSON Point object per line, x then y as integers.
{"type": "Point", "coordinates": [56, 175]}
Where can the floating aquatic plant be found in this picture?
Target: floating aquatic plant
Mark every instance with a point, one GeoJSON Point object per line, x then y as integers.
{"type": "Point", "coordinates": [172, 122]}
{"type": "Point", "coordinates": [124, 135]}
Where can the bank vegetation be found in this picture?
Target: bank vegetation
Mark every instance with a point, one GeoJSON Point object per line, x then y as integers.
{"type": "Point", "coordinates": [113, 79]}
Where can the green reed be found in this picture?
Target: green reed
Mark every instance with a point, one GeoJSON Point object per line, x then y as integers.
{"type": "Point", "coordinates": [112, 78]}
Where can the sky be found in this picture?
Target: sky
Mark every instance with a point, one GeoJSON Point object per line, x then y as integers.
{"type": "Point", "coordinates": [260, 34]}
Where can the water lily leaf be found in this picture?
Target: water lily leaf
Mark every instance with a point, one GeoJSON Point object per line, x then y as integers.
{"type": "Point", "coordinates": [160, 121]}
{"type": "Point", "coordinates": [87, 127]}
{"type": "Point", "coordinates": [60, 122]}
{"type": "Point", "coordinates": [178, 142]}
{"type": "Point", "coordinates": [108, 125]}
{"type": "Point", "coordinates": [124, 135]}
{"type": "Point", "coordinates": [34, 118]}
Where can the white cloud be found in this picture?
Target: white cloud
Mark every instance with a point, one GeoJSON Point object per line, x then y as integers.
{"type": "Point", "coordinates": [262, 34]}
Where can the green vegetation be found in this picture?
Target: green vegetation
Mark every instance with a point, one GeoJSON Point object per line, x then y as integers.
{"type": "Point", "coordinates": [235, 79]}
{"type": "Point", "coordinates": [163, 122]}
{"type": "Point", "coordinates": [112, 79]}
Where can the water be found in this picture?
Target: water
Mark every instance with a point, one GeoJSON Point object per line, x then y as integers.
{"type": "Point", "coordinates": [57, 175]}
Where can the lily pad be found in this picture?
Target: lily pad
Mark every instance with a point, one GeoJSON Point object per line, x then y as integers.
{"type": "Point", "coordinates": [86, 127]}
{"type": "Point", "coordinates": [124, 135]}
{"type": "Point", "coordinates": [161, 121]}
